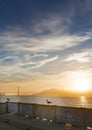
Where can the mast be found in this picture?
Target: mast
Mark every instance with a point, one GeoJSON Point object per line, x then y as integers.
{"type": "Point", "coordinates": [18, 91]}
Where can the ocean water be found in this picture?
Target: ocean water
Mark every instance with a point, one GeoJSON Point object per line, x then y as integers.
{"type": "Point", "coordinates": [82, 101]}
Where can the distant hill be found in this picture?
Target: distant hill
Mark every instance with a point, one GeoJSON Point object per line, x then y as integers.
{"type": "Point", "coordinates": [59, 92]}
{"type": "Point", "coordinates": [50, 92]}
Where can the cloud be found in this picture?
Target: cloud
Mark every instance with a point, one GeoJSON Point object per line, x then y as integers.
{"type": "Point", "coordinates": [40, 63]}
{"type": "Point", "coordinates": [53, 24]}
{"type": "Point", "coordinates": [22, 67]}
{"type": "Point", "coordinates": [84, 56]}
{"type": "Point", "coordinates": [80, 57]}
{"type": "Point", "coordinates": [77, 74]}
{"type": "Point", "coordinates": [41, 43]}
{"type": "Point", "coordinates": [21, 54]}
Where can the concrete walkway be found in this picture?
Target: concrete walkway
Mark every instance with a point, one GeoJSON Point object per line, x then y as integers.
{"type": "Point", "coordinates": [24, 123]}
{"type": "Point", "coordinates": [4, 126]}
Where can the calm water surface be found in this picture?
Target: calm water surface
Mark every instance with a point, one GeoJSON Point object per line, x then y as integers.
{"type": "Point", "coordinates": [81, 101]}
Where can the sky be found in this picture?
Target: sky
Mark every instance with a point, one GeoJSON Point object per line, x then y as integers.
{"type": "Point", "coordinates": [45, 44]}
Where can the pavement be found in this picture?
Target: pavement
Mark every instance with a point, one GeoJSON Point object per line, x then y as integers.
{"type": "Point", "coordinates": [4, 126]}
{"type": "Point", "coordinates": [17, 122]}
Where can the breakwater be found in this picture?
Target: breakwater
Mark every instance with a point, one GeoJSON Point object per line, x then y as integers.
{"type": "Point", "coordinates": [59, 114]}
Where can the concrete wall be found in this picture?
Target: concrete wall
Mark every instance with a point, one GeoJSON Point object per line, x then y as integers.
{"type": "Point", "coordinates": [45, 111]}
{"type": "Point", "coordinates": [26, 109]}
{"type": "Point", "coordinates": [75, 116]}
{"type": "Point", "coordinates": [12, 107]}
{"type": "Point", "coordinates": [2, 107]}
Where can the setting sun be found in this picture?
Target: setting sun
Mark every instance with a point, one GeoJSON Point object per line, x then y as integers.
{"type": "Point", "coordinates": [81, 85]}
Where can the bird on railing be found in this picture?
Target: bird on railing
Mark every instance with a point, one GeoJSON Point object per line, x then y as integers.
{"type": "Point", "coordinates": [48, 101]}
{"type": "Point", "coordinates": [8, 99]}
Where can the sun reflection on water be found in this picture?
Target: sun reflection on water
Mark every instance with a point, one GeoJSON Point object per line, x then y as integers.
{"type": "Point", "coordinates": [83, 101]}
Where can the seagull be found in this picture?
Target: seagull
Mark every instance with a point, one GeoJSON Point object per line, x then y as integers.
{"type": "Point", "coordinates": [8, 99]}
{"type": "Point", "coordinates": [48, 101]}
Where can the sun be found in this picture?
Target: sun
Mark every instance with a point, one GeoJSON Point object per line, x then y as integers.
{"type": "Point", "coordinates": [81, 85]}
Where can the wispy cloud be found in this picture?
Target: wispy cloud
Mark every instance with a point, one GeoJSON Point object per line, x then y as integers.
{"type": "Point", "coordinates": [41, 63]}
{"type": "Point", "coordinates": [81, 57]}
{"type": "Point", "coordinates": [77, 74]}
{"type": "Point", "coordinates": [42, 43]}
{"type": "Point", "coordinates": [29, 53]}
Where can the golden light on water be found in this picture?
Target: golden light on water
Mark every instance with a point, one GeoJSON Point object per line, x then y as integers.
{"type": "Point", "coordinates": [83, 101]}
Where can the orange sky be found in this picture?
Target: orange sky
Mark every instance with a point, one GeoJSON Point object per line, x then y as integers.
{"type": "Point", "coordinates": [39, 84]}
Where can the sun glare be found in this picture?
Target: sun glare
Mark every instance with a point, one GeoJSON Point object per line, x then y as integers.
{"type": "Point", "coordinates": [81, 85]}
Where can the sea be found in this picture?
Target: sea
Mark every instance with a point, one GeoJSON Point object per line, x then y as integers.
{"type": "Point", "coordinates": [82, 101]}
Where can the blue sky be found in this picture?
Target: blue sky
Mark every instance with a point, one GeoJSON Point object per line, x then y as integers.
{"type": "Point", "coordinates": [48, 39]}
